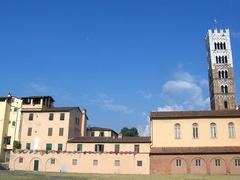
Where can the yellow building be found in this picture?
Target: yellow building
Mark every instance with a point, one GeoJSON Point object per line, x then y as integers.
{"type": "Point", "coordinates": [101, 132]}
{"type": "Point", "coordinates": [10, 112]}
{"type": "Point", "coordinates": [196, 142]}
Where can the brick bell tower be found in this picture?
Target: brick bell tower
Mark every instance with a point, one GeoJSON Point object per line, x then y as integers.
{"type": "Point", "coordinates": [220, 70]}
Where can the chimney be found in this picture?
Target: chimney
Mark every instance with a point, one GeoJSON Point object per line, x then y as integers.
{"type": "Point", "coordinates": [120, 135]}
{"type": "Point", "coordinates": [84, 123]}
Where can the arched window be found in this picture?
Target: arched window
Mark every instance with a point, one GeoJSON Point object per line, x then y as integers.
{"type": "Point", "coordinates": [226, 89]}
{"type": "Point", "coordinates": [213, 130]}
{"type": "Point", "coordinates": [219, 74]}
{"type": "Point", "coordinates": [222, 74]}
{"type": "Point", "coordinates": [226, 74]}
{"type": "Point", "coordinates": [223, 59]}
{"type": "Point", "coordinates": [216, 59]}
{"type": "Point", "coordinates": [177, 131]}
{"type": "Point", "coordinates": [224, 45]}
{"type": "Point", "coordinates": [195, 130]}
{"type": "Point", "coordinates": [231, 130]}
{"type": "Point", "coordinates": [222, 89]}
{"type": "Point", "coordinates": [221, 45]}
{"type": "Point", "coordinates": [218, 46]}
{"type": "Point", "coordinates": [220, 59]}
{"type": "Point", "coordinates": [225, 104]}
{"type": "Point", "coordinates": [226, 60]}
{"type": "Point", "coordinates": [215, 45]}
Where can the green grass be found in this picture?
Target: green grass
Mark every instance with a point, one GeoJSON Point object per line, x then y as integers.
{"type": "Point", "coordinates": [19, 175]}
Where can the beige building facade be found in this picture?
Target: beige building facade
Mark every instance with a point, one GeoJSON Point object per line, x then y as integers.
{"type": "Point", "coordinates": [45, 127]}
{"type": "Point", "coordinates": [196, 142]}
{"type": "Point", "coordinates": [89, 155]}
{"type": "Point", "coordinates": [10, 113]}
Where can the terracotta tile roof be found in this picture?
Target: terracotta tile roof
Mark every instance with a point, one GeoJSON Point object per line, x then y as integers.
{"type": "Point", "coordinates": [110, 140]}
{"type": "Point", "coordinates": [195, 150]}
{"type": "Point", "coordinates": [194, 114]}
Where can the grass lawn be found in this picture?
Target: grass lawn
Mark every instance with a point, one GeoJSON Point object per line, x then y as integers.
{"type": "Point", "coordinates": [18, 175]}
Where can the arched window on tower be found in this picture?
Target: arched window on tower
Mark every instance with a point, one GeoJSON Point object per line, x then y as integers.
{"type": "Point", "coordinates": [215, 45]}
{"type": "Point", "coordinates": [226, 89]}
{"type": "Point", "coordinates": [226, 60]}
{"type": "Point", "coordinates": [216, 59]}
{"type": "Point", "coordinates": [224, 45]}
{"type": "Point", "coordinates": [219, 74]}
{"type": "Point", "coordinates": [177, 128]}
{"type": "Point", "coordinates": [219, 59]}
{"type": "Point", "coordinates": [223, 59]}
{"type": "Point", "coordinates": [195, 130]}
{"type": "Point", "coordinates": [222, 89]}
{"type": "Point", "coordinates": [221, 45]}
{"type": "Point", "coordinates": [231, 130]}
{"type": "Point", "coordinates": [222, 74]}
{"type": "Point", "coordinates": [225, 104]}
{"type": "Point", "coordinates": [218, 46]}
{"type": "Point", "coordinates": [226, 74]}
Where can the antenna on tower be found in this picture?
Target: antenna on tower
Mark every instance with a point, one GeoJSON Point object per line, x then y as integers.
{"type": "Point", "coordinates": [215, 23]}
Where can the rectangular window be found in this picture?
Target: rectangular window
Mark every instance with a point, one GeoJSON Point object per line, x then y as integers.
{"type": "Point", "coordinates": [79, 147]}
{"type": "Point", "coordinates": [237, 162]}
{"type": "Point", "coordinates": [7, 140]}
{"type": "Point", "coordinates": [50, 130]}
{"type": "Point", "coordinates": [178, 162]}
{"type": "Point", "coordinates": [198, 162]}
{"type": "Point", "coordinates": [117, 163]}
{"type": "Point", "coordinates": [74, 162]}
{"type": "Point", "coordinates": [217, 162]}
{"type": "Point", "coordinates": [48, 147]}
{"type": "Point", "coordinates": [117, 148]}
{"type": "Point", "coordinates": [136, 148]}
{"type": "Point", "coordinates": [51, 116]}
{"type": "Point", "coordinates": [29, 132]}
{"type": "Point", "coordinates": [92, 134]}
{"type": "Point", "coordinates": [61, 131]}
{"type": "Point", "coordinates": [95, 162]}
{"type": "Point", "coordinates": [53, 161]}
{"type": "Point", "coordinates": [30, 118]}
{"type": "Point", "coordinates": [62, 116]}
{"type": "Point", "coordinates": [139, 163]}
{"type": "Point", "coordinates": [99, 148]}
{"type": "Point", "coordinates": [20, 160]}
{"type": "Point", "coordinates": [60, 147]}
{"type": "Point", "coordinates": [28, 146]}
{"type": "Point", "coordinates": [101, 134]}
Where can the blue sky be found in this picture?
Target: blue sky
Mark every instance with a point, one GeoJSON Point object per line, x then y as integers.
{"type": "Point", "coordinates": [118, 59]}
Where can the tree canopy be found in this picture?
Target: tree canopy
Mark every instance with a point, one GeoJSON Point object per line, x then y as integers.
{"type": "Point", "coordinates": [129, 131]}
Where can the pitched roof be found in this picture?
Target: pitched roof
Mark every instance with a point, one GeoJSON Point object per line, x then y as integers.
{"type": "Point", "coordinates": [195, 150]}
{"type": "Point", "coordinates": [194, 114]}
{"type": "Point", "coordinates": [88, 139]}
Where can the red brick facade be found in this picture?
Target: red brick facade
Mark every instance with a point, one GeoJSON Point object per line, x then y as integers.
{"type": "Point", "coordinates": [166, 164]}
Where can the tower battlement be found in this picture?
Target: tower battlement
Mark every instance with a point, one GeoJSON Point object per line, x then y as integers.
{"type": "Point", "coordinates": [217, 32]}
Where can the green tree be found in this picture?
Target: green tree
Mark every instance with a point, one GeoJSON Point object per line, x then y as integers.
{"type": "Point", "coordinates": [132, 132]}
{"type": "Point", "coordinates": [16, 145]}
